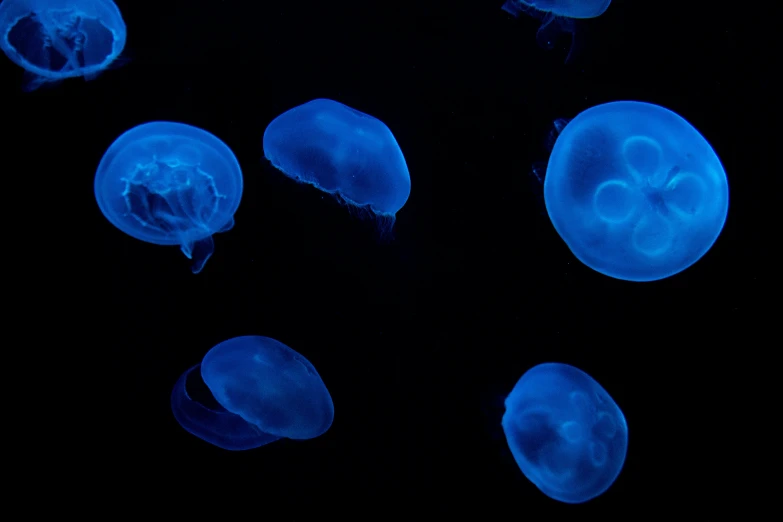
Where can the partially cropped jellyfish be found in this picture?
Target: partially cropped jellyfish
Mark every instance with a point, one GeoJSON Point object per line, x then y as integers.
{"type": "Point", "coordinates": [566, 433]}
{"type": "Point", "coordinates": [635, 191]}
{"type": "Point", "coordinates": [170, 184]}
{"type": "Point", "coordinates": [556, 16]}
{"type": "Point", "coordinates": [343, 152]}
{"type": "Point", "coordinates": [58, 39]}
{"type": "Point", "coordinates": [264, 391]}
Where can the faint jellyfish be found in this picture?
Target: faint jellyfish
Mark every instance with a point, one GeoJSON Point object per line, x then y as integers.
{"type": "Point", "coordinates": [343, 152]}
{"type": "Point", "coordinates": [635, 191]}
{"type": "Point", "coordinates": [170, 184]}
{"type": "Point", "coordinates": [566, 433]}
{"type": "Point", "coordinates": [557, 17]}
{"type": "Point", "coordinates": [53, 40]}
{"type": "Point", "coordinates": [264, 391]}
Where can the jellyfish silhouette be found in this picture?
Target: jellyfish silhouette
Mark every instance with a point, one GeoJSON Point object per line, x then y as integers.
{"type": "Point", "coordinates": [566, 433]}
{"type": "Point", "coordinates": [557, 17]}
{"type": "Point", "coordinates": [343, 152]}
{"type": "Point", "coordinates": [170, 184]}
{"type": "Point", "coordinates": [265, 391]}
{"type": "Point", "coordinates": [635, 191]}
{"type": "Point", "coordinates": [58, 39]}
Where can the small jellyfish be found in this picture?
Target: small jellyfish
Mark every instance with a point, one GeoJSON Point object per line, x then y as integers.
{"type": "Point", "coordinates": [556, 16]}
{"type": "Point", "coordinates": [343, 152]}
{"type": "Point", "coordinates": [170, 184]}
{"type": "Point", "coordinates": [264, 391]}
{"type": "Point", "coordinates": [635, 191]}
{"type": "Point", "coordinates": [58, 39]}
{"type": "Point", "coordinates": [566, 433]}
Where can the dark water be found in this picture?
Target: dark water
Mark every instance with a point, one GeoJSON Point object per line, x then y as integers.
{"type": "Point", "coordinates": [418, 339]}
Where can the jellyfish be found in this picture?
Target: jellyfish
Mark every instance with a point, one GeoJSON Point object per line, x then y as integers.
{"type": "Point", "coordinates": [264, 391]}
{"type": "Point", "coordinates": [557, 17]}
{"type": "Point", "coordinates": [635, 191]}
{"type": "Point", "coordinates": [343, 152]}
{"type": "Point", "coordinates": [170, 184]}
{"type": "Point", "coordinates": [53, 40]}
{"type": "Point", "coordinates": [566, 433]}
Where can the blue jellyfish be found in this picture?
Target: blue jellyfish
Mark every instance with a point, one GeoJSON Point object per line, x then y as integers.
{"type": "Point", "coordinates": [566, 433]}
{"type": "Point", "coordinates": [343, 152]}
{"type": "Point", "coordinates": [58, 39]}
{"type": "Point", "coordinates": [635, 191]}
{"type": "Point", "coordinates": [265, 391]}
{"type": "Point", "coordinates": [556, 16]}
{"type": "Point", "coordinates": [170, 184]}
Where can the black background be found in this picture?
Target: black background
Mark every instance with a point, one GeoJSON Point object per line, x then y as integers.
{"type": "Point", "coordinates": [418, 339]}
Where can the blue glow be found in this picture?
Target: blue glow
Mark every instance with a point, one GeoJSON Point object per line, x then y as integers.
{"type": "Point", "coordinates": [556, 16]}
{"type": "Point", "coordinates": [266, 391]}
{"type": "Point", "coordinates": [58, 39]}
{"type": "Point", "coordinates": [170, 184]}
{"type": "Point", "coordinates": [342, 151]}
{"type": "Point", "coordinates": [566, 433]}
{"type": "Point", "coordinates": [635, 191]}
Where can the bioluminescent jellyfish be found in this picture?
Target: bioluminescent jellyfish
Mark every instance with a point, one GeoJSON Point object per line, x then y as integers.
{"type": "Point", "coordinates": [566, 433]}
{"type": "Point", "coordinates": [264, 390]}
{"type": "Point", "coordinates": [58, 39]}
{"type": "Point", "coordinates": [342, 151]}
{"type": "Point", "coordinates": [635, 191]}
{"type": "Point", "coordinates": [170, 184]}
{"type": "Point", "coordinates": [556, 16]}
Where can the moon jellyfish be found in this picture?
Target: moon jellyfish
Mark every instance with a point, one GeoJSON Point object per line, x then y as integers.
{"type": "Point", "coordinates": [343, 152]}
{"type": "Point", "coordinates": [566, 433]}
{"type": "Point", "coordinates": [556, 16]}
{"type": "Point", "coordinates": [635, 191]}
{"type": "Point", "coordinates": [58, 39]}
{"type": "Point", "coordinates": [170, 184]}
{"type": "Point", "coordinates": [264, 390]}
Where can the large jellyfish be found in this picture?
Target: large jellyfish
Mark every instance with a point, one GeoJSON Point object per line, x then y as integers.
{"type": "Point", "coordinates": [342, 151]}
{"type": "Point", "coordinates": [58, 39]}
{"type": "Point", "coordinates": [170, 184]}
{"type": "Point", "coordinates": [265, 390]}
{"type": "Point", "coordinates": [566, 433]}
{"type": "Point", "coordinates": [635, 191]}
{"type": "Point", "coordinates": [557, 17]}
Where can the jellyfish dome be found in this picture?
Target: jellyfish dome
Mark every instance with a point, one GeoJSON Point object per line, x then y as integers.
{"type": "Point", "coordinates": [170, 184]}
{"type": "Point", "coordinates": [635, 191]}
{"type": "Point", "coordinates": [341, 151]}
{"type": "Point", "coordinates": [566, 433]}
{"type": "Point", "coordinates": [266, 391]}
{"type": "Point", "coordinates": [58, 39]}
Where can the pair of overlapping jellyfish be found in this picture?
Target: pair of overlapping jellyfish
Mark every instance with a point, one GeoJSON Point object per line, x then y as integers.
{"type": "Point", "coordinates": [634, 190]}
{"type": "Point", "coordinates": [557, 17]}
{"type": "Point", "coordinates": [265, 391]}
{"type": "Point", "coordinates": [53, 40]}
{"type": "Point", "coordinates": [173, 184]}
{"type": "Point", "coordinates": [566, 433]}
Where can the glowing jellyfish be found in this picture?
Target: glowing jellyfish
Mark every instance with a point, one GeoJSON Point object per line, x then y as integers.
{"type": "Point", "coordinates": [342, 151]}
{"type": "Point", "coordinates": [58, 39]}
{"type": "Point", "coordinates": [635, 191]}
{"type": "Point", "coordinates": [265, 390]}
{"type": "Point", "coordinates": [170, 184]}
{"type": "Point", "coordinates": [566, 433]}
{"type": "Point", "coordinates": [556, 16]}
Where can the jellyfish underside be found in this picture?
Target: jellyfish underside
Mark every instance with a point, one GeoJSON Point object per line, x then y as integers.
{"type": "Point", "coordinates": [169, 184]}
{"type": "Point", "coordinates": [179, 200]}
{"type": "Point", "coordinates": [53, 45]}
